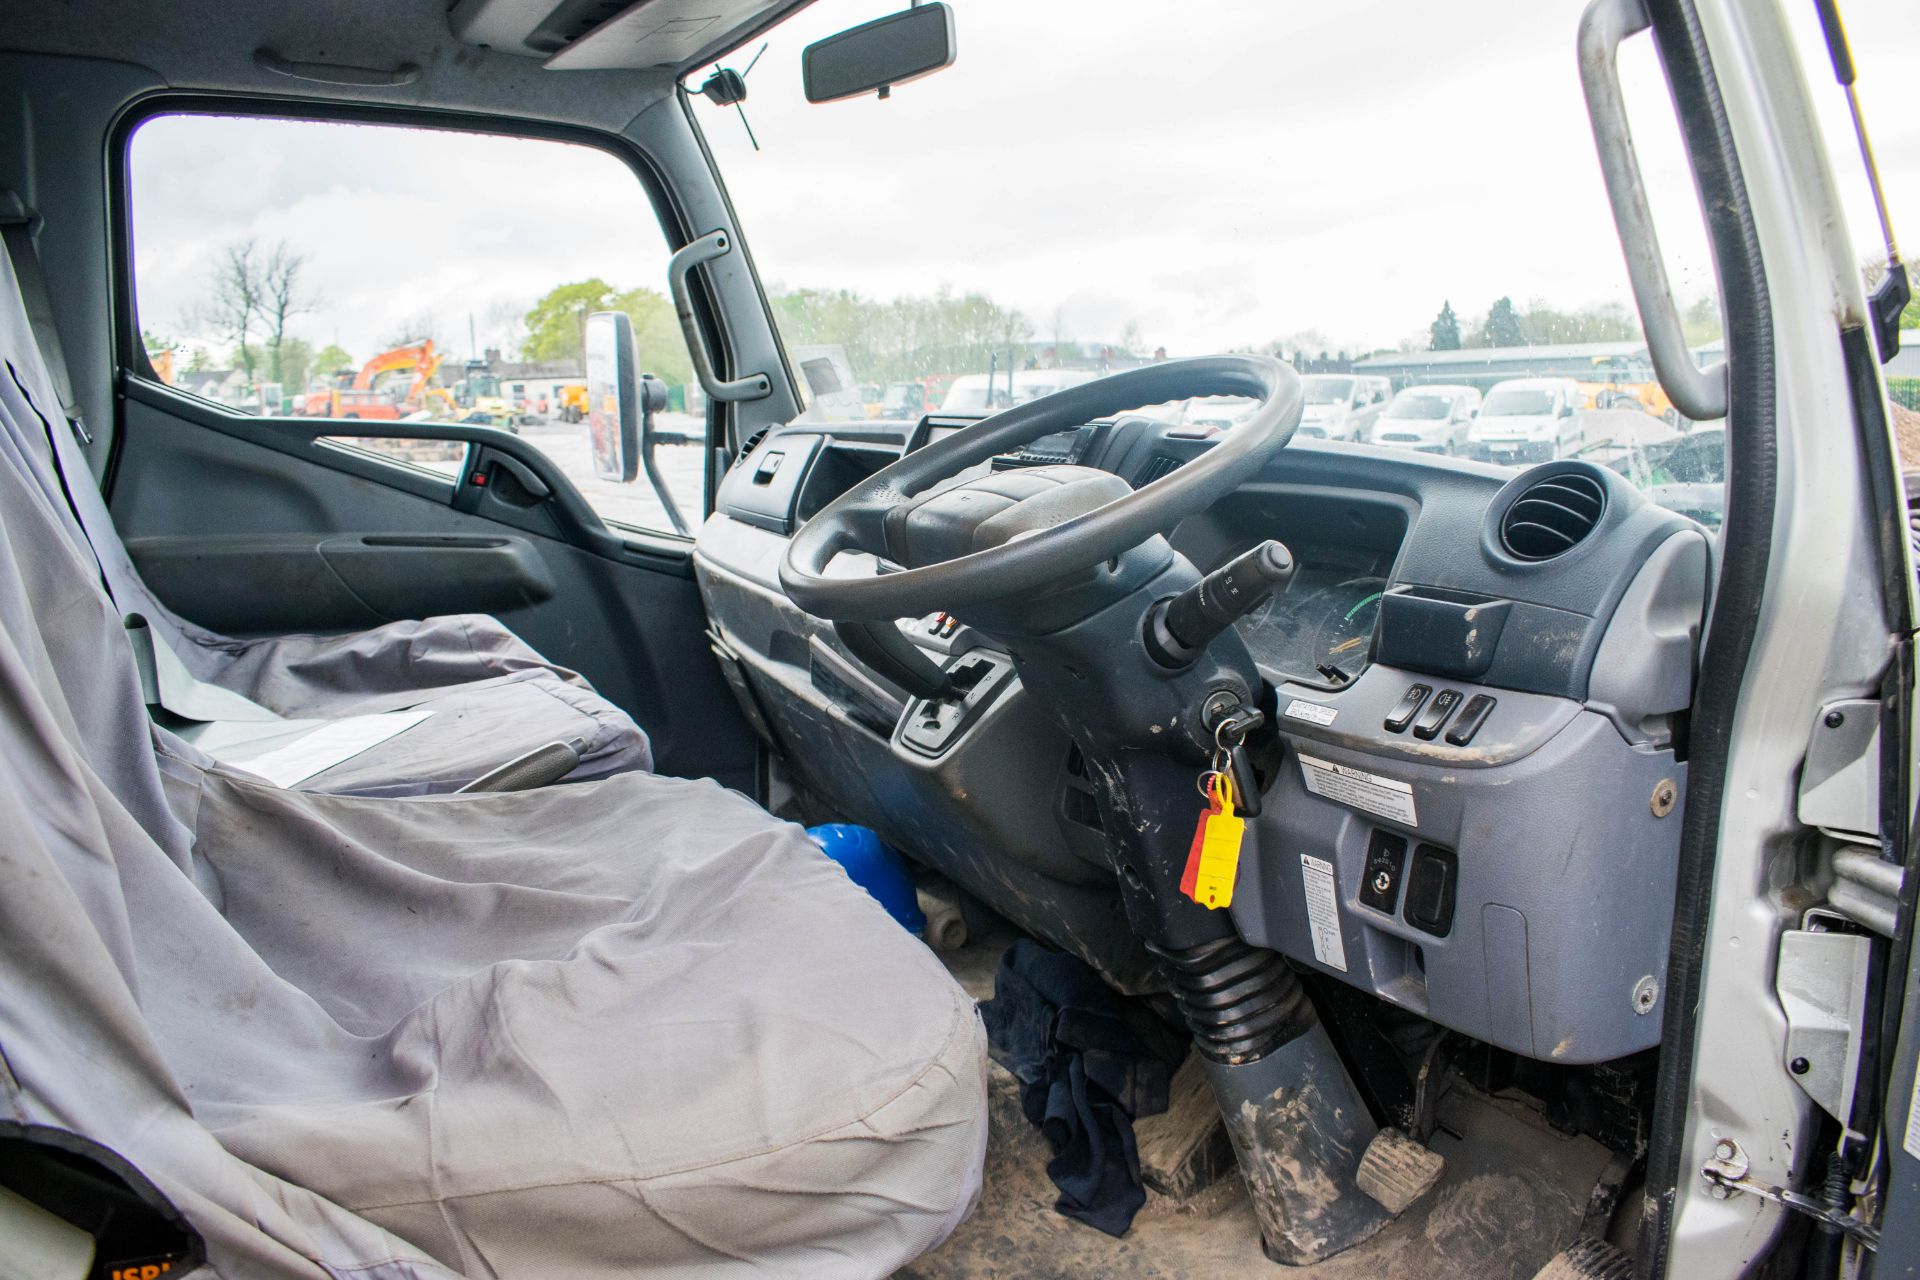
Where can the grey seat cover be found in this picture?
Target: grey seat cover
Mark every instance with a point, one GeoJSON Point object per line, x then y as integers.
{"type": "Point", "coordinates": [489, 696]}
{"type": "Point", "coordinates": [630, 1027]}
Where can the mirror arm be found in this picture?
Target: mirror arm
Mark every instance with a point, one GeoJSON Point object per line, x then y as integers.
{"type": "Point", "coordinates": [653, 398]}
{"type": "Point", "coordinates": [754, 386]}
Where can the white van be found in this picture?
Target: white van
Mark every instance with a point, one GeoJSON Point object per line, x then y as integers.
{"type": "Point", "coordinates": [1432, 419]}
{"type": "Point", "coordinates": [1342, 406]}
{"type": "Point", "coordinates": [1528, 420]}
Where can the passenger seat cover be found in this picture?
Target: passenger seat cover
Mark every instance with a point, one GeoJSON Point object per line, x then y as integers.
{"type": "Point", "coordinates": [458, 667]}
{"type": "Point", "coordinates": [701, 1045]}
{"type": "Point", "coordinates": [634, 1026]}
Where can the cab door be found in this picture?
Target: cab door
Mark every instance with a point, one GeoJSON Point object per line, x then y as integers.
{"type": "Point", "coordinates": [270, 259]}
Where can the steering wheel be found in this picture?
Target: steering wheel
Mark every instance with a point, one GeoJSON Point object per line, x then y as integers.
{"type": "Point", "coordinates": [1014, 531]}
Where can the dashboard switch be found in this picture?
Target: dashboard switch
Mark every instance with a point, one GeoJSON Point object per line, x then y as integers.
{"type": "Point", "coordinates": [1472, 716]}
{"type": "Point", "coordinates": [1409, 706]}
{"type": "Point", "coordinates": [1430, 887]}
{"type": "Point", "coordinates": [1435, 716]}
{"type": "Point", "coordinates": [1386, 860]}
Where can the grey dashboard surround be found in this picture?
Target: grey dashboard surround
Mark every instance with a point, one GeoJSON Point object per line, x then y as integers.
{"type": "Point", "coordinates": [1553, 826]}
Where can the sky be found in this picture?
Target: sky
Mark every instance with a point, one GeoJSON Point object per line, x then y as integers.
{"type": "Point", "coordinates": [1219, 174]}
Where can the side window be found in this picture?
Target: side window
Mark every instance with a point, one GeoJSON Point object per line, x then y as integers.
{"type": "Point", "coordinates": [292, 268]}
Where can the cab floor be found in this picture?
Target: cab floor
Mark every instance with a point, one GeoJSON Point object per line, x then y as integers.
{"type": "Point", "coordinates": [1513, 1195]}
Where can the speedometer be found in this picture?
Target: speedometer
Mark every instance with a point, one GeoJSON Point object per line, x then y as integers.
{"type": "Point", "coordinates": [1340, 620]}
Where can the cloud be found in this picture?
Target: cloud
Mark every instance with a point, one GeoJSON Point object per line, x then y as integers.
{"type": "Point", "coordinates": [1215, 174]}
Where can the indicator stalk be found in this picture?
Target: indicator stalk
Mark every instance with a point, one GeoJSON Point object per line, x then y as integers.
{"type": "Point", "coordinates": [1178, 628]}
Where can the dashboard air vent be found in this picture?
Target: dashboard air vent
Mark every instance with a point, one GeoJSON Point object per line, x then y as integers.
{"type": "Point", "coordinates": [1159, 465]}
{"type": "Point", "coordinates": [753, 442]}
{"type": "Point", "coordinates": [1552, 515]}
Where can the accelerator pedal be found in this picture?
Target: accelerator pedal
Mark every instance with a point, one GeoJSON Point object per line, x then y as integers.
{"type": "Point", "coordinates": [1396, 1171]}
{"type": "Point", "coordinates": [1588, 1258]}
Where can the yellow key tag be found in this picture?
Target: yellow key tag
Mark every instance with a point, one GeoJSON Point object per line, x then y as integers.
{"type": "Point", "coordinates": [1219, 849]}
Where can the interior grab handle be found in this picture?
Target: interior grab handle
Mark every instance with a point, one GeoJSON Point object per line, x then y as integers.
{"type": "Point", "coordinates": [1699, 393]}
{"type": "Point", "coordinates": [712, 245]}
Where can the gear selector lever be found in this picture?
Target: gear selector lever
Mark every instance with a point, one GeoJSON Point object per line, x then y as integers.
{"type": "Point", "coordinates": [1177, 629]}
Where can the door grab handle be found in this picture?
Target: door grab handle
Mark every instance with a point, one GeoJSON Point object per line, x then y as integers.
{"type": "Point", "coordinates": [1699, 393]}
{"type": "Point", "coordinates": [754, 386]}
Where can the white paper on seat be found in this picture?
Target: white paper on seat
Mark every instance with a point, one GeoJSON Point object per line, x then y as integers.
{"type": "Point", "coordinates": [288, 752]}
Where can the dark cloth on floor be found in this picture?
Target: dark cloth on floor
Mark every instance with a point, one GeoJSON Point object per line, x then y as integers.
{"type": "Point", "coordinates": [1088, 1067]}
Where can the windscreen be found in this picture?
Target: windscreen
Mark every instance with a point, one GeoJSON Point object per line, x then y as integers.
{"type": "Point", "coordinates": [1376, 188]}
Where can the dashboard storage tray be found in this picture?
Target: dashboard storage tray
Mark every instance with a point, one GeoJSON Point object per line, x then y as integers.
{"type": "Point", "coordinates": [1443, 633]}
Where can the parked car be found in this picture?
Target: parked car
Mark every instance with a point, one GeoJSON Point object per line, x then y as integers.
{"type": "Point", "coordinates": [1432, 419]}
{"type": "Point", "coordinates": [1342, 406]}
{"type": "Point", "coordinates": [905, 401]}
{"type": "Point", "coordinates": [1528, 420]}
{"type": "Point", "coordinates": [1218, 412]}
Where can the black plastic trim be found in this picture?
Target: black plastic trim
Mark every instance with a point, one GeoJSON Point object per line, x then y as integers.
{"type": "Point", "coordinates": [564, 514]}
{"type": "Point", "coordinates": [1746, 549]}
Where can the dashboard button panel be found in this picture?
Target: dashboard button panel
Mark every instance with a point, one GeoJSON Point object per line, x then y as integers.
{"type": "Point", "coordinates": [1435, 716]}
{"type": "Point", "coordinates": [1404, 710]}
{"type": "Point", "coordinates": [1472, 716]}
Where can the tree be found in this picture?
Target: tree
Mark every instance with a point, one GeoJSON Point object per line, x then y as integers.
{"type": "Point", "coordinates": [417, 327]}
{"type": "Point", "coordinates": [656, 332]}
{"type": "Point", "coordinates": [233, 305]}
{"type": "Point", "coordinates": [1503, 326]}
{"type": "Point", "coordinates": [295, 362]}
{"type": "Point", "coordinates": [283, 295]}
{"type": "Point", "coordinates": [557, 323]}
{"type": "Point", "coordinates": [1444, 332]}
{"type": "Point", "coordinates": [1541, 324]}
{"type": "Point", "coordinates": [1701, 320]}
{"type": "Point", "coordinates": [332, 359]}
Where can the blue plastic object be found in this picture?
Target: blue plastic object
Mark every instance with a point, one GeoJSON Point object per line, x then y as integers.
{"type": "Point", "coordinates": [874, 867]}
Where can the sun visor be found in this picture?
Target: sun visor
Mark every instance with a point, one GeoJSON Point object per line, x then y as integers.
{"type": "Point", "coordinates": [592, 35]}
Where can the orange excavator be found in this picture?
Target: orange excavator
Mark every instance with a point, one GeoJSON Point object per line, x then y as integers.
{"type": "Point", "coordinates": [366, 396]}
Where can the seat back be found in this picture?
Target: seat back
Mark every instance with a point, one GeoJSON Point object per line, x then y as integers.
{"type": "Point", "coordinates": [120, 978]}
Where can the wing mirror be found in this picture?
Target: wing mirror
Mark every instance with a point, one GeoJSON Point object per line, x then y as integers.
{"type": "Point", "coordinates": [1566, 411]}
{"type": "Point", "coordinates": [621, 402]}
{"type": "Point", "coordinates": [877, 55]}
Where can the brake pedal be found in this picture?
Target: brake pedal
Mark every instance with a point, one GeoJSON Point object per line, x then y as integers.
{"type": "Point", "coordinates": [1588, 1258]}
{"type": "Point", "coordinates": [1396, 1171]}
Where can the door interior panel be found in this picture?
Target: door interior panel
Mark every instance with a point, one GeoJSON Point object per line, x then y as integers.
{"type": "Point", "coordinates": [253, 526]}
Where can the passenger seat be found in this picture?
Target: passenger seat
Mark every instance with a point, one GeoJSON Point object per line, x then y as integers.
{"type": "Point", "coordinates": [410, 708]}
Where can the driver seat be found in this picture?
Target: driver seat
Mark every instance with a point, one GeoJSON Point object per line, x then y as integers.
{"type": "Point", "coordinates": [633, 1026]}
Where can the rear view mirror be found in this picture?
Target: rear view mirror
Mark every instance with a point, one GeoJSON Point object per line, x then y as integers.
{"type": "Point", "coordinates": [621, 402]}
{"type": "Point", "coordinates": [613, 397]}
{"type": "Point", "coordinates": [880, 54]}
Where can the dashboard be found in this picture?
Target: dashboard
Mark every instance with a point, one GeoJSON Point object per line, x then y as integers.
{"type": "Point", "coordinates": [1456, 812]}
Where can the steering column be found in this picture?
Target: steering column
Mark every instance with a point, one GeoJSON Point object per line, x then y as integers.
{"type": "Point", "coordinates": [1131, 651]}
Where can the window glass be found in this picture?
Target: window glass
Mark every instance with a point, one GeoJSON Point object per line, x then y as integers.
{"type": "Point", "coordinates": [390, 274]}
{"type": "Point", "coordinates": [1369, 190]}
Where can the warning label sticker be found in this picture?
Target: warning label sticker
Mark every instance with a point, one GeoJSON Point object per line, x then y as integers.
{"type": "Point", "coordinates": [1912, 1140]}
{"type": "Point", "coordinates": [1323, 912]}
{"type": "Point", "coordinates": [1358, 789]}
{"type": "Point", "coordinates": [1314, 712]}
